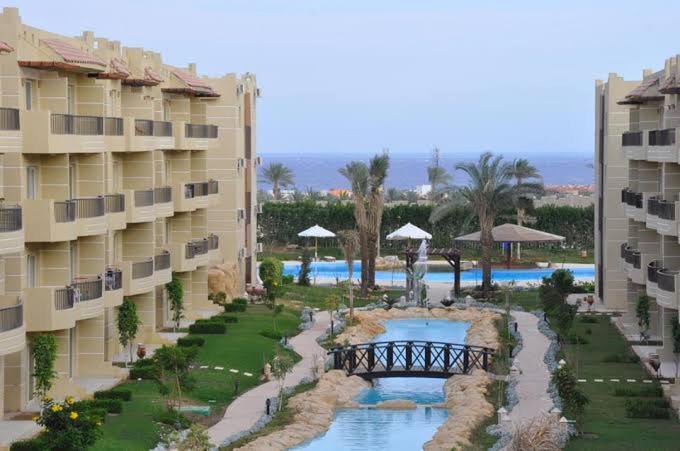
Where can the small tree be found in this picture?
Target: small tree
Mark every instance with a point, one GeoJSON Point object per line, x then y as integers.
{"type": "Point", "coordinates": [349, 240]}
{"type": "Point", "coordinates": [572, 396]}
{"type": "Point", "coordinates": [642, 314]}
{"type": "Point", "coordinates": [676, 345]}
{"type": "Point", "coordinates": [173, 363]}
{"type": "Point", "coordinates": [176, 297]}
{"type": "Point", "coordinates": [128, 324]}
{"type": "Point", "coordinates": [44, 349]}
{"type": "Point", "coordinates": [281, 365]}
{"type": "Point", "coordinates": [197, 439]}
{"type": "Point", "coordinates": [332, 303]}
{"type": "Point", "coordinates": [305, 268]}
{"type": "Point", "coordinates": [561, 280]}
{"type": "Point", "coordinates": [271, 273]}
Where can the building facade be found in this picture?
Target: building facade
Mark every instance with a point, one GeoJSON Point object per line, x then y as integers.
{"type": "Point", "coordinates": [116, 171]}
{"type": "Point", "coordinates": [639, 207]}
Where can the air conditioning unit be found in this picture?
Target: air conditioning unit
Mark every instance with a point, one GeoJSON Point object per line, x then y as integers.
{"type": "Point", "coordinates": [258, 161]}
{"type": "Point", "coordinates": [259, 249]}
{"type": "Point", "coordinates": [239, 89]}
{"type": "Point", "coordinates": [241, 214]}
{"type": "Point", "coordinates": [241, 254]}
{"type": "Point", "coordinates": [258, 92]}
{"type": "Point", "coordinates": [240, 164]}
{"type": "Point", "coordinates": [259, 209]}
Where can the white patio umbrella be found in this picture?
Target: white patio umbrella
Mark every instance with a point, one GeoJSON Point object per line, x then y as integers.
{"type": "Point", "coordinates": [316, 232]}
{"type": "Point", "coordinates": [409, 232]}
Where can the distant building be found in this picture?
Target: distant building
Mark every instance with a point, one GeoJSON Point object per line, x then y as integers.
{"type": "Point", "coordinates": [423, 190]}
{"type": "Point", "coordinates": [566, 200]}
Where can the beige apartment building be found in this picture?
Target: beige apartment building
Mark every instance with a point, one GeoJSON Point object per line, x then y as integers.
{"type": "Point", "coordinates": [638, 176]}
{"type": "Point", "coordinates": [116, 170]}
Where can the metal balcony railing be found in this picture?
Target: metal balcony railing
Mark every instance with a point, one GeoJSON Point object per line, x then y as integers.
{"type": "Point", "coordinates": [633, 258]}
{"type": "Point", "coordinates": [666, 210]}
{"type": "Point", "coordinates": [631, 139]}
{"type": "Point", "coordinates": [145, 127]}
{"type": "Point", "coordinates": [65, 211]}
{"type": "Point", "coordinates": [665, 137]}
{"type": "Point", "coordinates": [142, 269]}
{"type": "Point", "coordinates": [200, 131]}
{"type": "Point", "coordinates": [189, 250]}
{"type": "Point", "coordinates": [200, 189]}
{"type": "Point", "coordinates": [200, 246]}
{"type": "Point", "coordinates": [114, 126]}
{"type": "Point", "coordinates": [9, 119]}
{"type": "Point", "coordinates": [213, 242]}
{"type": "Point", "coordinates": [90, 207]}
{"type": "Point", "coordinates": [162, 261]}
{"type": "Point", "coordinates": [652, 270]}
{"type": "Point", "coordinates": [666, 279]}
{"type": "Point", "coordinates": [10, 219]}
{"type": "Point", "coordinates": [11, 317]}
{"type": "Point", "coordinates": [113, 279]}
{"type": "Point", "coordinates": [144, 197]}
{"type": "Point", "coordinates": [653, 206]}
{"type": "Point", "coordinates": [115, 203]}
{"type": "Point", "coordinates": [162, 195]}
{"type": "Point", "coordinates": [68, 124]}
{"type": "Point", "coordinates": [631, 198]}
{"type": "Point", "coordinates": [63, 298]}
{"type": "Point", "coordinates": [213, 187]}
{"type": "Point", "coordinates": [87, 289]}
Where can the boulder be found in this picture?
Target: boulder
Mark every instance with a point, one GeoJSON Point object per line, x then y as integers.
{"type": "Point", "coordinates": [224, 277]}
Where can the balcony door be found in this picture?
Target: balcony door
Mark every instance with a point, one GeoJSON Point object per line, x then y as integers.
{"type": "Point", "coordinates": [73, 259]}
{"type": "Point", "coordinates": [31, 182]}
{"type": "Point", "coordinates": [31, 271]}
{"type": "Point", "coordinates": [72, 181]}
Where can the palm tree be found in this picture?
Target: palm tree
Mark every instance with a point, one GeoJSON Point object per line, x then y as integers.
{"type": "Point", "coordinates": [356, 172]}
{"type": "Point", "coordinates": [377, 173]}
{"type": "Point", "coordinates": [393, 195]}
{"type": "Point", "coordinates": [277, 175]}
{"type": "Point", "coordinates": [522, 170]}
{"type": "Point", "coordinates": [437, 175]}
{"type": "Point", "coordinates": [349, 240]}
{"type": "Point", "coordinates": [488, 192]}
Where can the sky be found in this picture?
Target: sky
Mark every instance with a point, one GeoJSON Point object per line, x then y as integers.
{"type": "Point", "coordinates": [357, 76]}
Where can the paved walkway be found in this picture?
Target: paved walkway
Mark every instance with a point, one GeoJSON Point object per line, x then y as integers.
{"type": "Point", "coordinates": [247, 409]}
{"type": "Point", "coordinates": [532, 386]}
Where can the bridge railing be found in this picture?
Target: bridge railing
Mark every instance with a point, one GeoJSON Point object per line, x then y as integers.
{"type": "Point", "coordinates": [411, 356]}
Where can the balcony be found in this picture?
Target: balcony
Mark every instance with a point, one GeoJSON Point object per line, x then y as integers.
{"type": "Point", "coordinates": [162, 268]}
{"type": "Point", "coordinates": [182, 257]}
{"type": "Point", "coordinates": [200, 251]}
{"type": "Point", "coordinates": [652, 279]}
{"type": "Point", "coordinates": [88, 297]}
{"type": "Point", "coordinates": [194, 136]}
{"type": "Point", "coordinates": [90, 215]}
{"type": "Point", "coordinates": [49, 308]}
{"type": "Point", "coordinates": [661, 216]}
{"type": "Point", "coordinates": [113, 287]}
{"type": "Point", "coordinates": [667, 281]}
{"type": "Point", "coordinates": [138, 276]}
{"type": "Point", "coordinates": [633, 204]}
{"type": "Point", "coordinates": [633, 145]}
{"type": "Point", "coordinates": [162, 201]}
{"type": "Point", "coordinates": [635, 264]}
{"type": "Point", "coordinates": [213, 193]}
{"type": "Point", "coordinates": [662, 145]}
{"type": "Point", "coordinates": [10, 133]}
{"type": "Point", "coordinates": [190, 196]}
{"type": "Point", "coordinates": [11, 230]}
{"type": "Point", "coordinates": [12, 327]}
{"type": "Point", "coordinates": [50, 220]}
{"type": "Point", "coordinates": [68, 133]}
{"type": "Point", "coordinates": [115, 211]}
{"type": "Point", "coordinates": [139, 205]}
{"type": "Point", "coordinates": [144, 135]}
{"type": "Point", "coordinates": [214, 256]}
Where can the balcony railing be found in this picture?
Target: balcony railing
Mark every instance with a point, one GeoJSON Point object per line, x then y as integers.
{"type": "Point", "coordinates": [200, 246]}
{"type": "Point", "coordinates": [200, 189]}
{"type": "Point", "coordinates": [213, 242]}
{"type": "Point", "coordinates": [10, 219]}
{"type": "Point", "coordinates": [631, 139]}
{"type": "Point", "coordinates": [65, 211]}
{"type": "Point", "coordinates": [666, 210]}
{"type": "Point", "coordinates": [63, 298]}
{"type": "Point", "coordinates": [113, 279]}
{"type": "Point", "coordinates": [665, 137]}
{"type": "Point", "coordinates": [213, 187]}
{"type": "Point", "coordinates": [189, 250]}
{"type": "Point", "coordinates": [200, 131]}
{"type": "Point", "coordinates": [633, 258]}
{"type": "Point", "coordinates": [142, 269]}
{"type": "Point", "coordinates": [68, 124]}
{"type": "Point", "coordinates": [11, 317]}
{"type": "Point", "coordinates": [144, 197]}
{"type": "Point", "coordinates": [115, 203]}
{"type": "Point", "coordinates": [114, 126]}
{"type": "Point", "coordinates": [162, 195]}
{"type": "Point", "coordinates": [87, 289]}
{"type": "Point", "coordinates": [162, 261]}
{"type": "Point", "coordinates": [666, 279]}
{"type": "Point", "coordinates": [145, 127]}
{"type": "Point", "coordinates": [631, 198]}
{"type": "Point", "coordinates": [9, 119]}
{"type": "Point", "coordinates": [653, 206]}
{"type": "Point", "coordinates": [90, 207]}
{"type": "Point", "coordinates": [652, 270]}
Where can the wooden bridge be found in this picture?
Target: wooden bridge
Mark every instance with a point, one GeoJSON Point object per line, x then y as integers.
{"type": "Point", "coordinates": [410, 359]}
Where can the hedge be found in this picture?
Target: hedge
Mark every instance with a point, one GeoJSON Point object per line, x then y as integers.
{"type": "Point", "coordinates": [212, 327]}
{"type": "Point", "coordinates": [269, 333]}
{"type": "Point", "coordinates": [239, 301]}
{"type": "Point", "coordinates": [144, 369]}
{"type": "Point", "coordinates": [35, 444]}
{"type": "Point", "coordinates": [233, 308]}
{"type": "Point", "coordinates": [652, 391]}
{"type": "Point", "coordinates": [226, 318]}
{"type": "Point", "coordinates": [190, 341]}
{"type": "Point", "coordinates": [647, 408]}
{"type": "Point", "coordinates": [118, 393]}
{"type": "Point", "coordinates": [111, 405]}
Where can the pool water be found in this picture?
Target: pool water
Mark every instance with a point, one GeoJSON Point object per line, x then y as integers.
{"type": "Point", "coordinates": [437, 273]}
{"type": "Point", "coordinates": [371, 429]}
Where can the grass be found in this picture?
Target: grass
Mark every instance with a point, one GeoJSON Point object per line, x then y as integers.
{"type": "Point", "coordinates": [480, 439]}
{"type": "Point", "coordinates": [315, 296]}
{"type": "Point", "coordinates": [241, 348]}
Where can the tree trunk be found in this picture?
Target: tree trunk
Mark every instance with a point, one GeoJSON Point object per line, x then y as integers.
{"type": "Point", "coordinates": [364, 261]}
{"type": "Point", "coordinates": [277, 191]}
{"type": "Point", "coordinates": [486, 239]}
{"type": "Point", "coordinates": [520, 221]}
{"type": "Point", "coordinates": [351, 294]}
{"type": "Point", "coordinates": [372, 254]}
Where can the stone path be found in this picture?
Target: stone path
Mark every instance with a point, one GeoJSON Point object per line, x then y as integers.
{"type": "Point", "coordinates": [532, 386]}
{"type": "Point", "coordinates": [247, 409]}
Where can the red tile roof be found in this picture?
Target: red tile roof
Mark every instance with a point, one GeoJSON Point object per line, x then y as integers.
{"type": "Point", "coordinates": [646, 91]}
{"type": "Point", "coordinates": [71, 54]}
{"type": "Point", "coordinates": [5, 47]}
{"type": "Point", "coordinates": [195, 84]}
{"type": "Point", "coordinates": [151, 75]}
{"type": "Point", "coordinates": [119, 68]}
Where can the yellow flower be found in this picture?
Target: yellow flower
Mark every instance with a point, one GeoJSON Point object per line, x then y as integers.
{"type": "Point", "coordinates": [73, 415]}
{"type": "Point", "coordinates": [69, 400]}
{"type": "Point", "coordinates": [99, 423]}
{"type": "Point", "coordinates": [46, 399]}
{"type": "Point", "coordinates": [57, 408]}
{"type": "Point", "coordinates": [36, 418]}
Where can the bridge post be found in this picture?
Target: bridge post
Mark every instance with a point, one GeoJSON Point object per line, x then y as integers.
{"type": "Point", "coordinates": [428, 355]}
{"type": "Point", "coordinates": [371, 357]}
{"type": "Point", "coordinates": [485, 359]}
{"type": "Point", "coordinates": [337, 363]}
{"type": "Point", "coordinates": [409, 355]}
{"type": "Point", "coordinates": [353, 359]}
{"type": "Point", "coordinates": [466, 359]}
{"type": "Point", "coordinates": [390, 356]}
{"type": "Point", "coordinates": [447, 358]}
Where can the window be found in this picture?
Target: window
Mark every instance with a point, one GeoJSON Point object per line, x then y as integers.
{"type": "Point", "coordinates": [31, 182]}
{"type": "Point", "coordinates": [28, 93]}
{"type": "Point", "coordinates": [31, 271]}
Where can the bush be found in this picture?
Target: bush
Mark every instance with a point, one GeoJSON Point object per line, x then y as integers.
{"type": "Point", "coordinates": [190, 341]}
{"type": "Point", "coordinates": [68, 427]}
{"type": "Point", "coordinates": [228, 318]}
{"type": "Point", "coordinates": [38, 443]}
{"type": "Point", "coordinates": [584, 287]}
{"type": "Point", "coordinates": [234, 308]}
{"type": "Point", "coordinates": [287, 279]}
{"type": "Point", "coordinates": [650, 391]}
{"type": "Point", "coordinates": [577, 340]}
{"type": "Point", "coordinates": [589, 331]}
{"type": "Point", "coordinates": [117, 393]}
{"type": "Point", "coordinates": [99, 413]}
{"type": "Point", "coordinates": [110, 405]}
{"type": "Point", "coordinates": [621, 358]}
{"type": "Point", "coordinates": [647, 408]}
{"type": "Point", "coordinates": [270, 333]}
{"type": "Point", "coordinates": [239, 301]}
{"type": "Point", "coordinates": [208, 328]}
{"type": "Point", "coordinates": [589, 319]}
{"type": "Point", "coordinates": [144, 369]}
{"type": "Point", "coordinates": [171, 417]}
{"type": "Point", "coordinates": [573, 398]}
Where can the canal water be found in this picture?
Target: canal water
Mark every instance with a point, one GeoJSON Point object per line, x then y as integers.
{"type": "Point", "coordinates": [371, 429]}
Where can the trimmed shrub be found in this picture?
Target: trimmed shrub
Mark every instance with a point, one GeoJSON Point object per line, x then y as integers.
{"type": "Point", "coordinates": [208, 328]}
{"type": "Point", "coordinates": [110, 405]}
{"type": "Point", "coordinates": [649, 391]}
{"type": "Point", "coordinates": [117, 393]}
{"type": "Point", "coordinates": [144, 369]}
{"type": "Point", "coordinates": [227, 318]}
{"type": "Point", "coordinates": [38, 443]}
{"type": "Point", "coordinates": [239, 301]}
{"type": "Point", "coordinates": [190, 341]}
{"type": "Point", "coordinates": [287, 279]}
{"type": "Point", "coordinates": [647, 408]}
{"type": "Point", "coordinates": [171, 417]}
{"type": "Point", "coordinates": [621, 358]}
{"type": "Point", "coordinates": [98, 413]}
{"type": "Point", "coordinates": [589, 319]}
{"type": "Point", "coordinates": [270, 333]}
{"type": "Point", "coordinates": [234, 308]}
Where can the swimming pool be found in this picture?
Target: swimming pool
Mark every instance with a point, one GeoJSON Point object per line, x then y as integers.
{"type": "Point", "coordinates": [438, 273]}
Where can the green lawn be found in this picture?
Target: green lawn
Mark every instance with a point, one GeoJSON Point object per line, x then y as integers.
{"type": "Point", "coordinates": [241, 348]}
{"type": "Point", "coordinates": [315, 296]}
{"type": "Point", "coordinates": [604, 422]}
